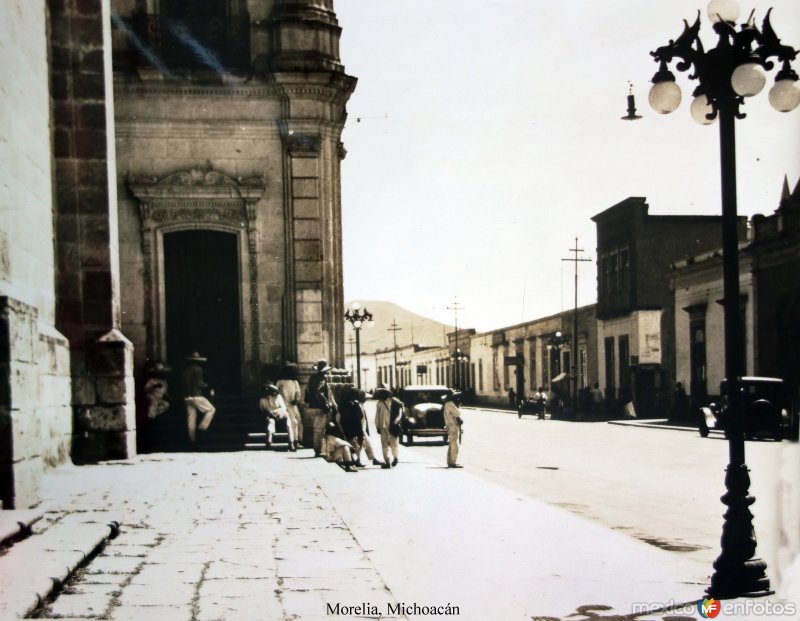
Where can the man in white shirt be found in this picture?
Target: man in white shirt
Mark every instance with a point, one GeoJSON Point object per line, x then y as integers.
{"type": "Point", "coordinates": [385, 423]}
{"type": "Point", "coordinates": [452, 422]}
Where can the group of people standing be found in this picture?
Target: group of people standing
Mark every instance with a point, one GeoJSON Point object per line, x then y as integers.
{"type": "Point", "coordinates": [341, 430]}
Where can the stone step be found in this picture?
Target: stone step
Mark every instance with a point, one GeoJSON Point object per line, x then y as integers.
{"type": "Point", "coordinates": [33, 568]}
{"type": "Point", "coordinates": [17, 524]}
{"type": "Point", "coordinates": [236, 420]}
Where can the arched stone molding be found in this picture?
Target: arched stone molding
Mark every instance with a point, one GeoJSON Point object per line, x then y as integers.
{"type": "Point", "coordinates": [199, 198]}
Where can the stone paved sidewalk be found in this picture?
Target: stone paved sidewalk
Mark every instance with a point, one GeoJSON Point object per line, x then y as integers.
{"type": "Point", "coordinates": [207, 537]}
{"type": "Point", "coordinates": [257, 536]}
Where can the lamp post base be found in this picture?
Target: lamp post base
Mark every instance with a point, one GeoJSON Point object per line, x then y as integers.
{"type": "Point", "coordinates": [736, 573]}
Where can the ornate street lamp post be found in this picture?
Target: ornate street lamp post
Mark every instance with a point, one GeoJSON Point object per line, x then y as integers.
{"type": "Point", "coordinates": [357, 318]}
{"type": "Point", "coordinates": [554, 343]}
{"type": "Point", "coordinates": [459, 358]}
{"type": "Point", "coordinates": [726, 74]}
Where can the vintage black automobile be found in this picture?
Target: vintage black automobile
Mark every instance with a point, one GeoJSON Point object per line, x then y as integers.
{"type": "Point", "coordinates": [423, 414]}
{"type": "Point", "coordinates": [766, 413]}
{"type": "Point", "coordinates": [532, 406]}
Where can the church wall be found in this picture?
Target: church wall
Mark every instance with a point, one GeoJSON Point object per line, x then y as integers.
{"type": "Point", "coordinates": [278, 120]}
{"type": "Point", "coordinates": [230, 131]}
{"type": "Point", "coordinates": [35, 413]}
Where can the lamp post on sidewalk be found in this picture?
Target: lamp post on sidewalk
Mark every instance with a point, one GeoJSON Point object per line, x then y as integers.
{"type": "Point", "coordinates": [357, 318]}
{"type": "Point", "coordinates": [726, 75]}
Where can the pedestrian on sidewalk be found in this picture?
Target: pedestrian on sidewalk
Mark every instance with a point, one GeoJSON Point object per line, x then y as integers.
{"type": "Point", "coordinates": [680, 403]}
{"type": "Point", "coordinates": [353, 420]}
{"type": "Point", "coordinates": [152, 424]}
{"type": "Point", "coordinates": [320, 396]}
{"type": "Point", "coordinates": [597, 400]}
{"type": "Point", "coordinates": [540, 399]}
{"type": "Point", "coordinates": [452, 422]}
{"type": "Point", "coordinates": [194, 385]}
{"type": "Point", "coordinates": [289, 388]}
{"type": "Point", "coordinates": [155, 389]}
{"type": "Point", "coordinates": [366, 443]}
{"type": "Point", "coordinates": [337, 449]}
{"type": "Point", "coordinates": [275, 409]}
{"type": "Point", "coordinates": [388, 412]}
{"type": "Point", "coordinates": [512, 398]}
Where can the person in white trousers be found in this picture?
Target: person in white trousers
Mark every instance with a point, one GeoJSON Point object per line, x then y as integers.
{"type": "Point", "coordinates": [452, 422]}
{"type": "Point", "coordinates": [193, 386]}
{"type": "Point", "coordinates": [274, 407]}
{"type": "Point", "coordinates": [289, 388]}
{"type": "Point", "coordinates": [386, 423]}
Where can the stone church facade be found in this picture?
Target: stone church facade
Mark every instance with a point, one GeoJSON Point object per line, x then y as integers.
{"type": "Point", "coordinates": [187, 198]}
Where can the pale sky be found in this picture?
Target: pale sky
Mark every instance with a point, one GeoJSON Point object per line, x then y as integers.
{"type": "Point", "coordinates": [490, 134]}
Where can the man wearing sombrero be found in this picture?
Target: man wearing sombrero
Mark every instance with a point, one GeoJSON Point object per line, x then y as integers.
{"type": "Point", "coordinates": [193, 385]}
{"type": "Point", "coordinates": [274, 407]}
{"type": "Point", "coordinates": [453, 422]}
{"type": "Point", "coordinates": [320, 396]}
{"type": "Point", "coordinates": [388, 412]}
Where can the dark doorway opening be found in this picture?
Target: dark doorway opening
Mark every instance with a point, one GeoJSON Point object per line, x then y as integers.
{"type": "Point", "coordinates": [201, 278]}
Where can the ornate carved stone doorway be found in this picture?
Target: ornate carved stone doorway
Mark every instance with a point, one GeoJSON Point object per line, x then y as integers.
{"type": "Point", "coordinates": [199, 249]}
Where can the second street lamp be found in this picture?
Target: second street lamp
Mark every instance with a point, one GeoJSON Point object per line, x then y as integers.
{"type": "Point", "coordinates": [726, 74]}
{"type": "Point", "coordinates": [459, 358]}
{"type": "Point", "coordinates": [357, 319]}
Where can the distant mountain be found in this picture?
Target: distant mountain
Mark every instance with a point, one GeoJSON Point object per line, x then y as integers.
{"type": "Point", "coordinates": [413, 328]}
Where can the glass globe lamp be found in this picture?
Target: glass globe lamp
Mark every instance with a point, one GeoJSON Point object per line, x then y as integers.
{"type": "Point", "coordinates": [748, 79]}
{"type": "Point", "coordinates": [723, 10]}
{"type": "Point", "coordinates": [700, 110]}
{"type": "Point", "coordinates": [785, 95]}
{"type": "Point", "coordinates": [664, 97]}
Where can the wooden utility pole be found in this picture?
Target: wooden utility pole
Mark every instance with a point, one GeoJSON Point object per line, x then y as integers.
{"type": "Point", "coordinates": [457, 355]}
{"type": "Point", "coordinates": [394, 329]}
{"type": "Point", "coordinates": [575, 259]}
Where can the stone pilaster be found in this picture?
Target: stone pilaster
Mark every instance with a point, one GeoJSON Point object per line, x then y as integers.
{"type": "Point", "coordinates": [87, 244]}
{"type": "Point", "coordinates": [105, 417]}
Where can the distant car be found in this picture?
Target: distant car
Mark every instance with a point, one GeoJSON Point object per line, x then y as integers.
{"type": "Point", "coordinates": [534, 407]}
{"type": "Point", "coordinates": [423, 414]}
{"type": "Point", "coordinates": [766, 414]}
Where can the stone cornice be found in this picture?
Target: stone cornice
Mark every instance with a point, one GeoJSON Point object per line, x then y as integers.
{"type": "Point", "coordinates": [170, 129]}
{"type": "Point", "coordinates": [260, 91]}
{"type": "Point", "coordinates": [331, 93]}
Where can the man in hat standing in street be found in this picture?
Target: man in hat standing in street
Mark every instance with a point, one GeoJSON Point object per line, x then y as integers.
{"type": "Point", "coordinates": [193, 385]}
{"type": "Point", "coordinates": [388, 412]}
{"type": "Point", "coordinates": [452, 422]}
{"type": "Point", "coordinates": [320, 396]}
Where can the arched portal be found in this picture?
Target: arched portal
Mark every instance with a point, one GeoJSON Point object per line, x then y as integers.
{"type": "Point", "coordinates": [202, 308]}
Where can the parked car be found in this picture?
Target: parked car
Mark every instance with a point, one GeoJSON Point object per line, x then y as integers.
{"type": "Point", "coordinates": [423, 414]}
{"type": "Point", "coordinates": [766, 412]}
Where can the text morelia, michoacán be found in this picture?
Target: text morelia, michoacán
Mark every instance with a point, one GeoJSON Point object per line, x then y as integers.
{"type": "Point", "coordinates": [400, 608]}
